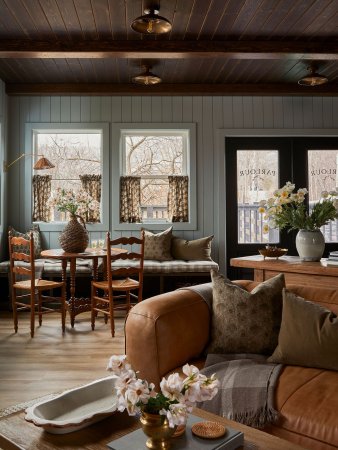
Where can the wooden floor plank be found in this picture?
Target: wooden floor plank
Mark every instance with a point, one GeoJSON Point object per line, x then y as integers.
{"type": "Point", "coordinates": [52, 362]}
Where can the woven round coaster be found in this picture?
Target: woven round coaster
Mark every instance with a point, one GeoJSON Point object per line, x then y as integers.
{"type": "Point", "coordinates": [208, 430]}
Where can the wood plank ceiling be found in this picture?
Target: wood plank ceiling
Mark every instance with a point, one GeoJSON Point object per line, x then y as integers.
{"type": "Point", "coordinates": [215, 46]}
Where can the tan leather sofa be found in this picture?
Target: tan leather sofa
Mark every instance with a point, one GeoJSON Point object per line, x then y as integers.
{"type": "Point", "coordinates": [167, 331]}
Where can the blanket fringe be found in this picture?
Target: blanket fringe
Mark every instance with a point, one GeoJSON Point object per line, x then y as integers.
{"type": "Point", "coordinates": [257, 418]}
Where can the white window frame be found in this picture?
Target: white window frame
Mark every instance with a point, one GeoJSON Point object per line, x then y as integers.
{"type": "Point", "coordinates": [188, 130]}
{"type": "Point", "coordinates": [32, 129]}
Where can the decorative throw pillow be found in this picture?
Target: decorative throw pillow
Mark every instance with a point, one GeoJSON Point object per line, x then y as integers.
{"type": "Point", "coordinates": [308, 334]}
{"type": "Point", "coordinates": [157, 246]}
{"type": "Point", "coordinates": [196, 250]}
{"type": "Point", "coordinates": [242, 321]}
{"type": "Point", "coordinates": [36, 236]}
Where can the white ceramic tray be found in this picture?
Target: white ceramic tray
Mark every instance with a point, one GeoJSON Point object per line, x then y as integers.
{"type": "Point", "coordinates": [76, 408]}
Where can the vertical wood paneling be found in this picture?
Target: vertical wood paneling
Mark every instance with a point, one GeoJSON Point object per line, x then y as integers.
{"type": "Point", "coordinates": [209, 113]}
{"type": "Point", "coordinates": [208, 156]}
{"type": "Point", "coordinates": [55, 109]}
{"type": "Point", "coordinates": [105, 109]}
{"type": "Point", "coordinates": [85, 109]}
{"type": "Point", "coordinates": [198, 118]}
{"type": "Point", "coordinates": [258, 112]}
{"type": "Point", "coordinates": [156, 109]}
{"type": "Point", "coordinates": [65, 109]}
{"type": "Point", "coordinates": [308, 112]}
{"type": "Point", "coordinates": [318, 112]}
{"type": "Point", "coordinates": [237, 107]}
{"type": "Point", "coordinates": [288, 112]}
{"type": "Point", "coordinates": [95, 109]}
{"type": "Point", "coordinates": [75, 109]}
{"type": "Point", "coordinates": [228, 116]}
{"type": "Point", "coordinates": [327, 112]}
{"type": "Point", "coordinates": [167, 109]}
{"type": "Point", "coordinates": [298, 119]}
{"type": "Point", "coordinates": [268, 112]}
{"type": "Point", "coordinates": [247, 112]}
{"type": "Point", "coordinates": [136, 109]}
{"type": "Point", "coordinates": [45, 115]}
{"type": "Point", "coordinates": [278, 119]}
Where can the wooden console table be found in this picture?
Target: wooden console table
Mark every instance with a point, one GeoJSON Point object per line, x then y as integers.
{"type": "Point", "coordinates": [295, 270]}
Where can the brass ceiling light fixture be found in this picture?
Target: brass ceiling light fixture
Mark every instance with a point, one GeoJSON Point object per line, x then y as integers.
{"type": "Point", "coordinates": [314, 78]}
{"type": "Point", "coordinates": [151, 23]}
{"type": "Point", "coordinates": [146, 78]}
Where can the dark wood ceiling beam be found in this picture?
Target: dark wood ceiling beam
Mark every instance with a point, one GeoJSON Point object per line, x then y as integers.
{"type": "Point", "coordinates": [170, 89]}
{"type": "Point", "coordinates": [170, 49]}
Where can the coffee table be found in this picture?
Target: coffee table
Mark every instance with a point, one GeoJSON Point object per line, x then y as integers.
{"type": "Point", "coordinates": [17, 434]}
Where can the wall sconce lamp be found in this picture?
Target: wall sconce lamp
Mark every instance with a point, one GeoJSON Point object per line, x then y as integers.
{"type": "Point", "coordinates": [41, 164]}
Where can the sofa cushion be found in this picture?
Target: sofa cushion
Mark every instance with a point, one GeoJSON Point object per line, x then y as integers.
{"type": "Point", "coordinates": [157, 245]}
{"type": "Point", "coordinates": [195, 250]}
{"type": "Point", "coordinates": [242, 321]}
{"type": "Point", "coordinates": [308, 334]}
{"type": "Point", "coordinates": [37, 239]}
{"type": "Point", "coordinates": [170, 267]}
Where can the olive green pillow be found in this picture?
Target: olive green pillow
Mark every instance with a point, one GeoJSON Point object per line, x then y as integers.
{"type": "Point", "coordinates": [157, 245]}
{"type": "Point", "coordinates": [195, 250]}
{"type": "Point", "coordinates": [36, 236]}
{"type": "Point", "coordinates": [242, 321]}
{"type": "Point", "coordinates": [308, 335]}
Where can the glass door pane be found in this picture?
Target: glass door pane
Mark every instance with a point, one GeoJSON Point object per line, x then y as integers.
{"type": "Point", "coordinates": [322, 176]}
{"type": "Point", "coordinates": [257, 178]}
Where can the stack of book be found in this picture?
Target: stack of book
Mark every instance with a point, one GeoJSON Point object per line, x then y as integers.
{"type": "Point", "coordinates": [332, 260]}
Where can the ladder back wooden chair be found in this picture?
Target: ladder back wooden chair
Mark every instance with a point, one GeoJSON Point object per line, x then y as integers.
{"type": "Point", "coordinates": [117, 290]}
{"type": "Point", "coordinates": [26, 284]}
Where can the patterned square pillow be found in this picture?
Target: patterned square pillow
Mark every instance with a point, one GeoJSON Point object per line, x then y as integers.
{"type": "Point", "coordinates": [242, 321]}
{"type": "Point", "coordinates": [36, 236]}
{"type": "Point", "coordinates": [157, 246]}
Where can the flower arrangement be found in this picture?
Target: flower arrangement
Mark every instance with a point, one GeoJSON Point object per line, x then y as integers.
{"type": "Point", "coordinates": [74, 202]}
{"type": "Point", "coordinates": [287, 209]}
{"type": "Point", "coordinates": [177, 396]}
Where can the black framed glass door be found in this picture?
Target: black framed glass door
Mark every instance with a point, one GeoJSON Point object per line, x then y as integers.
{"type": "Point", "coordinates": [255, 167]}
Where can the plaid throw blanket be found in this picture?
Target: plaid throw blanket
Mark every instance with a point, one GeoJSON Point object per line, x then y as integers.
{"type": "Point", "coordinates": [246, 391]}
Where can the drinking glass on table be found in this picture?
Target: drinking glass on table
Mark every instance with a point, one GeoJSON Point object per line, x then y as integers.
{"type": "Point", "coordinates": [94, 243]}
{"type": "Point", "coordinates": [101, 243]}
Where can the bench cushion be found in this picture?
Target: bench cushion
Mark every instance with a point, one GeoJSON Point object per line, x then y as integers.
{"type": "Point", "coordinates": [175, 266]}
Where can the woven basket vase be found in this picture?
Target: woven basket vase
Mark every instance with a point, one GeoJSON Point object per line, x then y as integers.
{"type": "Point", "coordinates": [74, 238]}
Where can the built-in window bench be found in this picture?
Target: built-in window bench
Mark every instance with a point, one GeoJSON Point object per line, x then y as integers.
{"type": "Point", "coordinates": [160, 276]}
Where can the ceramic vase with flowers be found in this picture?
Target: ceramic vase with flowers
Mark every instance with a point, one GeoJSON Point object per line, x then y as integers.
{"type": "Point", "coordinates": [74, 237]}
{"type": "Point", "coordinates": [287, 209]}
{"type": "Point", "coordinates": [160, 412]}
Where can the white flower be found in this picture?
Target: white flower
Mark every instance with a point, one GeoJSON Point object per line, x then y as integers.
{"type": "Point", "coordinates": [177, 396]}
{"type": "Point", "coordinates": [176, 415]}
{"type": "Point", "coordinates": [118, 363]}
{"type": "Point", "coordinates": [172, 387]}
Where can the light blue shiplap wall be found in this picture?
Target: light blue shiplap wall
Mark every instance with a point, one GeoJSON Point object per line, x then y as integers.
{"type": "Point", "coordinates": [210, 114]}
{"type": "Point", "coordinates": [3, 139]}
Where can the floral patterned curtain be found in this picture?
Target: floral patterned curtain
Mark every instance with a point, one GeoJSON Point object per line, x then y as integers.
{"type": "Point", "coordinates": [130, 199]}
{"type": "Point", "coordinates": [41, 193]}
{"type": "Point", "coordinates": [178, 200]}
{"type": "Point", "coordinates": [92, 184]}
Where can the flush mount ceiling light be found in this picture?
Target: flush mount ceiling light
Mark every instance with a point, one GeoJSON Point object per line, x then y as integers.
{"type": "Point", "coordinates": [146, 78]}
{"type": "Point", "coordinates": [313, 79]}
{"type": "Point", "coordinates": [151, 23]}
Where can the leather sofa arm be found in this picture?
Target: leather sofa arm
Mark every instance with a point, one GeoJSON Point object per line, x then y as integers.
{"type": "Point", "coordinates": [165, 331]}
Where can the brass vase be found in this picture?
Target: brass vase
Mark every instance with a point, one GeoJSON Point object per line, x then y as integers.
{"type": "Point", "coordinates": [74, 238]}
{"type": "Point", "coordinates": [156, 427]}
